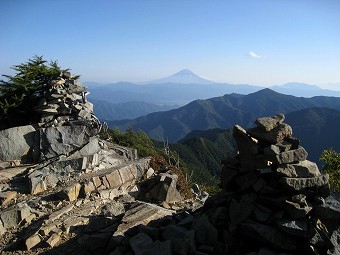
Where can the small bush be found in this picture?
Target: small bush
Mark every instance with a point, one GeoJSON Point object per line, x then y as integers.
{"type": "Point", "coordinates": [332, 167]}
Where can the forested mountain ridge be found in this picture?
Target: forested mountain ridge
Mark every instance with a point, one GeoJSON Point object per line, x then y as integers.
{"type": "Point", "coordinates": [221, 112]}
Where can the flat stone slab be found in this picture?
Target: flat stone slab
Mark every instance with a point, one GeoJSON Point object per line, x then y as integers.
{"type": "Point", "coordinates": [303, 169]}
{"type": "Point", "coordinates": [275, 135]}
{"type": "Point", "coordinates": [9, 173]}
{"type": "Point", "coordinates": [302, 183]}
{"type": "Point", "coordinates": [141, 214]}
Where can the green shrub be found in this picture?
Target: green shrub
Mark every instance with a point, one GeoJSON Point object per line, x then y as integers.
{"type": "Point", "coordinates": [138, 140]}
{"type": "Point", "coordinates": [332, 167]}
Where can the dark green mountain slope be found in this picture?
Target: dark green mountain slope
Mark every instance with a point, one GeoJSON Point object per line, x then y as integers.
{"type": "Point", "coordinates": [203, 154]}
{"type": "Point", "coordinates": [221, 112]}
{"type": "Point", "coordinates": [317, 128]}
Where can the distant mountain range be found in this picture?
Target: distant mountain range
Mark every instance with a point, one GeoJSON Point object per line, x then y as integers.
{"type": "Point", "coordinates": [178, 89]}
{"type": "Point", "coordinates": [304, 90]}
{"type": "Point", "coordinates": [221, 112]}
{"type": "Point", "coordinates": [128, 110]}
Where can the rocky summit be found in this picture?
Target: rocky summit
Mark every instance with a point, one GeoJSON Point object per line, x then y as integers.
{"type": "Point", "coordinates": [63, 190]}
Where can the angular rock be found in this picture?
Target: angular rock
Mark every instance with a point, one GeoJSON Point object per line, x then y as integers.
{"type": "Point", "coordinates": [206, 233]}
{"type": "Point", "coordinates": [11, 217]}
{"type": "Point", "coordinates": [303, 183]}
{"type": "Point", "coordinates": [2, 228]}
{"type": "Point", "coordinates": [329, 212]}
{"type": "Point", "coordinates": [272, 150]}
{"type": "Point", "coordinates": [113, 209]}
{"type": "Point", "coordinates": [247, 147]}
{"type": "Point", "coordinates": [33, 241]}
{"type": "Point", "coordinates": [62, 140]}
{"type": "Point", "coordinates": [268, 123]}
{"type": "Point", "coordinates": [40, 181]}
{"type": "Point", "coordinates": [47, 228]}
{"type": "Point", "coordinates": [166, 190]}
{"type": "Point", "coordinates": [114, 179]}
{"type": "Point", "coordinates": [261, 213]}
{"type": "Point", "coordinates": [246, 180]}
{"type": "Point", "coordinates": [19, 143]}
{"type": "Point", "coordinates": [293, 227]}
{"type": "Point", "coordinates": [239, 211]}
{"type": "Point", "coordinates": [227, 175]}
{"type": "Point", "coordinates": [7, 196]}
{"type": "Point", "coordinates": [303, 169]}
{"type": "Point", "coordinates": [57, 214]}
{"type": "Point", "coordinates": [70, 193]}
{"type": "Point", "coordinates": [290, 156]}
{"type": "Point", "coordinates": [158, 247]}
{"type": "Point", "coordinates": [9, 173]}
{"type": "Point", "coordinates": [87, 188]}
{"type": "Point", "coordinates": [140, 243]}
{"type": "Point", "coordinates": [182, 239]}
{"type": "Point", "coordinates": [276, 135]}
{"type": "Point", "coordinates": [335, 239]}
{"type": "Point", "coordinates": [53, 240]}
{"type": "Point", "coordinates": [296, 210]}
{"type": "Point", "coordinates": [269, 235]}
{"type": "Point", "coordinates": [150, 173]}
{"type": "Point", "coordinates": [91, 148]}
{"type": "Point", "coordinates": [141, 213]}
{"type": "Point", "coordinates": [126, 174]}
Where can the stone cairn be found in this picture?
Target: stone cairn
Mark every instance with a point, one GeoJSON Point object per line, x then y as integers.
{"type": "Point", "coordinates": [274, 199]}
{"type": "Point", "coordinates": [65, 102]}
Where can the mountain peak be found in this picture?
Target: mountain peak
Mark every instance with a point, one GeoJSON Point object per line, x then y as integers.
{"type": "Point", "coordinates": [185, 72]}
{"type": "Point", "coordinates": [183, 76]}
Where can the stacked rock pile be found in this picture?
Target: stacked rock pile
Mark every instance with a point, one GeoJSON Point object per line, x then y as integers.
{"type": "Point", "coordinates": [65, 101]}
{"type": "Point", "coordinates": [274, 199]}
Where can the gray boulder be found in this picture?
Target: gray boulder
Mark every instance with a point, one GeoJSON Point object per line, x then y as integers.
{"type": "Point", "coordinates": [268, 123]}
{"type": "Point", "coordinates": [275, 135]}
{"type": "Point", "coordinates": [63, 140]}
{"type": "Point", "coordinates": [165, 190]}
{"type": "Point", "coordinates": [19, 143]}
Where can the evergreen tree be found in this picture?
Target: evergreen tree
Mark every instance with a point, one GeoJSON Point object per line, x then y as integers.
{"type": "Point", "coordinates": [20, 93]}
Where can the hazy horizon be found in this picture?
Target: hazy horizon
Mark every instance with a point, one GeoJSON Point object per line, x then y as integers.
{"type": "Point", "coordinates": [261, 43]}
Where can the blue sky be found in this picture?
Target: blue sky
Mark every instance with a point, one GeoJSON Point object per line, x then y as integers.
{"type": "Point", "coordinates": [260, 42]}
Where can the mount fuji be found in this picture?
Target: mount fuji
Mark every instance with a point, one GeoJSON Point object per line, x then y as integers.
{"type": "Point", "coordinates": [184, 76]}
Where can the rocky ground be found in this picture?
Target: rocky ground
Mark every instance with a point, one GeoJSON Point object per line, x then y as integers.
{"type": "Point", "coordinates": [65, 191]}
